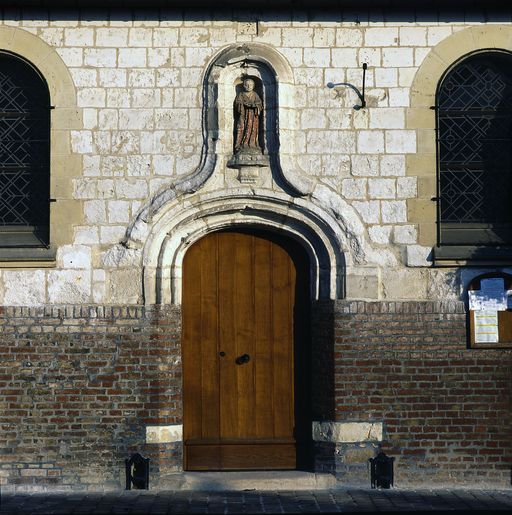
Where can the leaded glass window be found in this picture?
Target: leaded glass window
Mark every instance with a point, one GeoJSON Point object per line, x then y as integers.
{"type": "Point", "coordinates": [474, 124]}
{"type": "Point", "coordinates": [24, 154]}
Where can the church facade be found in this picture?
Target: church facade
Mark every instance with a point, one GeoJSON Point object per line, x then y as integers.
{"type": "Point", "coordinates": [255, 239]}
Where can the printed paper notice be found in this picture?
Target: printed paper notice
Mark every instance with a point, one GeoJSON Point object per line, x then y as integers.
{"type": "Point", "coordinates": [486, 326]}
{"type": "Point", "coordinates": [492, 296]}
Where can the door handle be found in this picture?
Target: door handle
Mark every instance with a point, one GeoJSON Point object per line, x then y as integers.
{"type": "Point", "coordinates": [244, 358]}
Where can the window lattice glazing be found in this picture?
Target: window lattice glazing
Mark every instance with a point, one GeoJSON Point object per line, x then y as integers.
{"type": "Point", "coordinates": [24, 145]}
{"type": "Point", "coordinates": [475, 142]}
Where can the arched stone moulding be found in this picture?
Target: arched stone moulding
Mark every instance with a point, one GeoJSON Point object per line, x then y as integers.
{"type": "Point", "coordinates": [65, 116]}
{"type": "Point", "coordinates": [420, 116]}
{"type": "Point", "coordinates": [219, 75]}
{"type": "Point", "coordinates": [172, 235]}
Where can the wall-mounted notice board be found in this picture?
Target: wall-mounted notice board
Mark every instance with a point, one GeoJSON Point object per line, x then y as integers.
{"type": "Point", "coordinates": [490, 311]}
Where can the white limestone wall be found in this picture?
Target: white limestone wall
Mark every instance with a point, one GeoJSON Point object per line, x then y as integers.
{"type": "Point", "coordinates": [138, 81]}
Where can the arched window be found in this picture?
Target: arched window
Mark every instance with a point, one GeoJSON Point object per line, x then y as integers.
{"type": "Point", "coordinates": [24, 154]}
{"type": "Point", "coordinates": [474, 122]}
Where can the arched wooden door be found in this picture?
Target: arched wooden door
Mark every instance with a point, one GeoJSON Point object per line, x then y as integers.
{"type": "Point", "coordinates": [240, 293]}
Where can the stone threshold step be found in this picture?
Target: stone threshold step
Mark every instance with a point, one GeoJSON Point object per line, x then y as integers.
{"type": "Point", "coordinates": [246, 480]}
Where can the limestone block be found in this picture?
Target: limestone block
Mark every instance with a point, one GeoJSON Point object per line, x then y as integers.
{"type": "Point", "coordinates": [335, 142]}
{"type": "Point", "coordinates": [102, 142]}
{"type": "Point", "coordinates": [84, 77]}
{"type": "Point", "coordinates": [420, 55]}
{"type": "Point", "coordinates": [94, 211]}
{"type": "Point", "coordinates": [398, 97]}
{"type": "Point", "coordinates": [404, 284]}
{"type": "Point", "coordinates": [362, 283]}
{"type": "Point", "coordinates": [112, 233]}
{"type": "Point", "coordinates": [86, 235]}
{"type": "Point", "coordinates": [74, 256]}
{"type": "Point", "coordinates": [324, 37]}
{"type": "Point", "coordinates": [118, 211]}
{"type": "Point", "coordinates": [140, 37]}
{"type": "Point", "coordinates": [163, 164]}
{"type": "Point", "coordinates": [406, 187]}
{"type": "Point", "coordinates": [405, 234]}
{"type": "Point", "coordinates": [131, 189]}
{"type": "Point", "coordinates": [71, 56]}
{"type": "Point", "coordinates": [386, 77]}
{"type": "Point", "coordinates": [392, 165]}
{"type": "Point", "coordinates": [370, 56]}
{"type": "Point", "coordinates": [132, 57]}
{"type": "Point", "coordinates": [418, 255]}
{"type": "Point", "coordinates": [69, 286]}
{"type": "Point", "coordinates": [164, 434]}
{"type": "Point", "coordinates": [119, 256]}
{"type": "Point", "coordinates": [158, 57]}
{"type": "Point", "coordinates": [141, 78]}
{"type": "Point", "coordinates": [317, 57]}
{"type": "Point", "coordinates": [369, 211]}
{"type": "Point", "coordinates": [380, 234]}
{"type": "Point", "coordinates": [108, 119]}
{"type": "Point", "coordinates": [100, 57]}
{"type": "Point", "coordinates": [413, 36]}
{"type": "Point", "coordinates": [24, 288]}
{"type": "Point", "coordinates": [313, 119]}
{"type": "Point", "coordinates": [387, 118]}
{"type": "Point", "coordinates": [364, 165]}
{"type": "Point", "coordinates": [84, 189]}
{"type": "Point", "coordinates": [347, 432]}
{"type": "Point", "coordinates": [353, 188]}
{"type": "Point", "coordinates": [400, 142]}
{"type": "Point", "coordinates": [91, 97]}
{"type": "Point", "coordinates": [197, 56]}
{"type": "Point", "coordinates": [298, 37]}
{"type": "Point", "coordinates": [105, 188]}
{"type": "Point", "coordinates": [381, 36]}
{"type": "Point", "coordinates": [112, 78]}
{"type": "Point", "coordinates": [111, 37]}
{"type": "Point", "coordinates": [170, 118]}
{"type": "Point", "coordinates": [79, 37]}
{"type": "Point", "coordinates": [138, 166]}
{"type": "Point", "coordinates": [54, 36]}
{"type": "Point", "coordinates": [81, 142]}
{"type": "Point", "coordinates": [397, 57]}
{"type": "Point", "coordinates": [293, 56]}
{"type": "Point", "coordinates": [125, 142]}
{"type": "Point", "coordinates": [113, 165]}
{"type": "Point", "coordinates": [165, 37]}
{"type": "Point", "coordinates": [444, 284]}
{"type": "Point", "coordinates": [90, 118]}
{"type": "Point", "coordinates": [370, 142]}
{"type": "Point", "coordinates": [394, 211]}
{"type": "Point", "coordinates": [381, 188]}
{"type": "Point", "coordinates": [194, 36]}
{"type": "Point", "coordinates": [436, 34]}
{"type": "Point", "coordinates": [125, 286]}
{"type": "Point", "coordinates": [406, 75]}
{"type": "Point", "coordinates": [344, 57]}
{"type": "Point", "coordinates": [349, 37]}
{"type": "Point", "coordinates": [145, 97]}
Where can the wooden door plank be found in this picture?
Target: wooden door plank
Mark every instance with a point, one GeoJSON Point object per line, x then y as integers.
{"type": "Point", "coordinates": [227, 336]}
{"type": "Point", "coordinates": [209, 339]}
{"type": "Point", "coordinates": [264, 357]}
{"type": "Point", "coordinates": [191, 349]}
{"type": "Point", "coordinates": [258, 457]}
{"type": "Point", "coordinates": [244, 317]}
{"type": "Point", "coordinates": [282, 309]}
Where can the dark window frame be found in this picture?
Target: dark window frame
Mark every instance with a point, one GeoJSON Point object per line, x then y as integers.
{"type": "Point", "coordinates": [24, 159]}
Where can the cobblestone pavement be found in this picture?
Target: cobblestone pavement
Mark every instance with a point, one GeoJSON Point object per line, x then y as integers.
{"type": "Point", "coordinates": [317, 501]}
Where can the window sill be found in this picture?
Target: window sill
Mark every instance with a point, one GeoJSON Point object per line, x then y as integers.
{"type": "Point", "coordinates": [28, 257]}
{"type": "Point", "coordinates": [471, 255]}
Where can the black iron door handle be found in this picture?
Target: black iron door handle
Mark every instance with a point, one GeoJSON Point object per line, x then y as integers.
{"type": "Point", "coordinates": [244, 358]}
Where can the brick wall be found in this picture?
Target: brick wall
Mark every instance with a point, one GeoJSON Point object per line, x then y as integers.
{"type": "Point", "coordinates": [79, 385]}
{"type": "Point", "coordinates": [446, 409]}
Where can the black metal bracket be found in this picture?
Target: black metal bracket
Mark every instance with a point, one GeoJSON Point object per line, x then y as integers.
{"type": "Point", "coordinates": [137, 472]}
{"type": "Point", "coordinates": [360, 94]}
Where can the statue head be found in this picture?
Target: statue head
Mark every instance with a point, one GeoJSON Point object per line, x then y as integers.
{"type": "Point", "coordinates": [248, 84]}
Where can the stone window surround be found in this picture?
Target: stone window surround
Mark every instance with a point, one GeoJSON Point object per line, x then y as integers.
{"type": "Point", "coordinates": [64, 166]}
{"type": "Point", "coordinates": [421, 117]}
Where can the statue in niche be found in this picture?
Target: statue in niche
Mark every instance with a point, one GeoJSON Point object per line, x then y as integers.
{"type": "Point", "coordinates": [248, 109]}
{"type": "Point", "coordinates": [247, 135]}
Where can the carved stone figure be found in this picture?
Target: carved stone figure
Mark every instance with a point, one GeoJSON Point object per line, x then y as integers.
{"type": "Point", "coordinates": [248, 109]}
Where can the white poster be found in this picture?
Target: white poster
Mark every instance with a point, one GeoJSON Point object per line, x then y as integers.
{"type": "Point", "coordinates": [486, 326]}
{"type": "Point", "coordinates": [491, 297]}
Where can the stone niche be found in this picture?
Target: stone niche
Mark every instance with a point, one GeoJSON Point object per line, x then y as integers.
{"type": "Point", "coordinates": [254, 164]}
